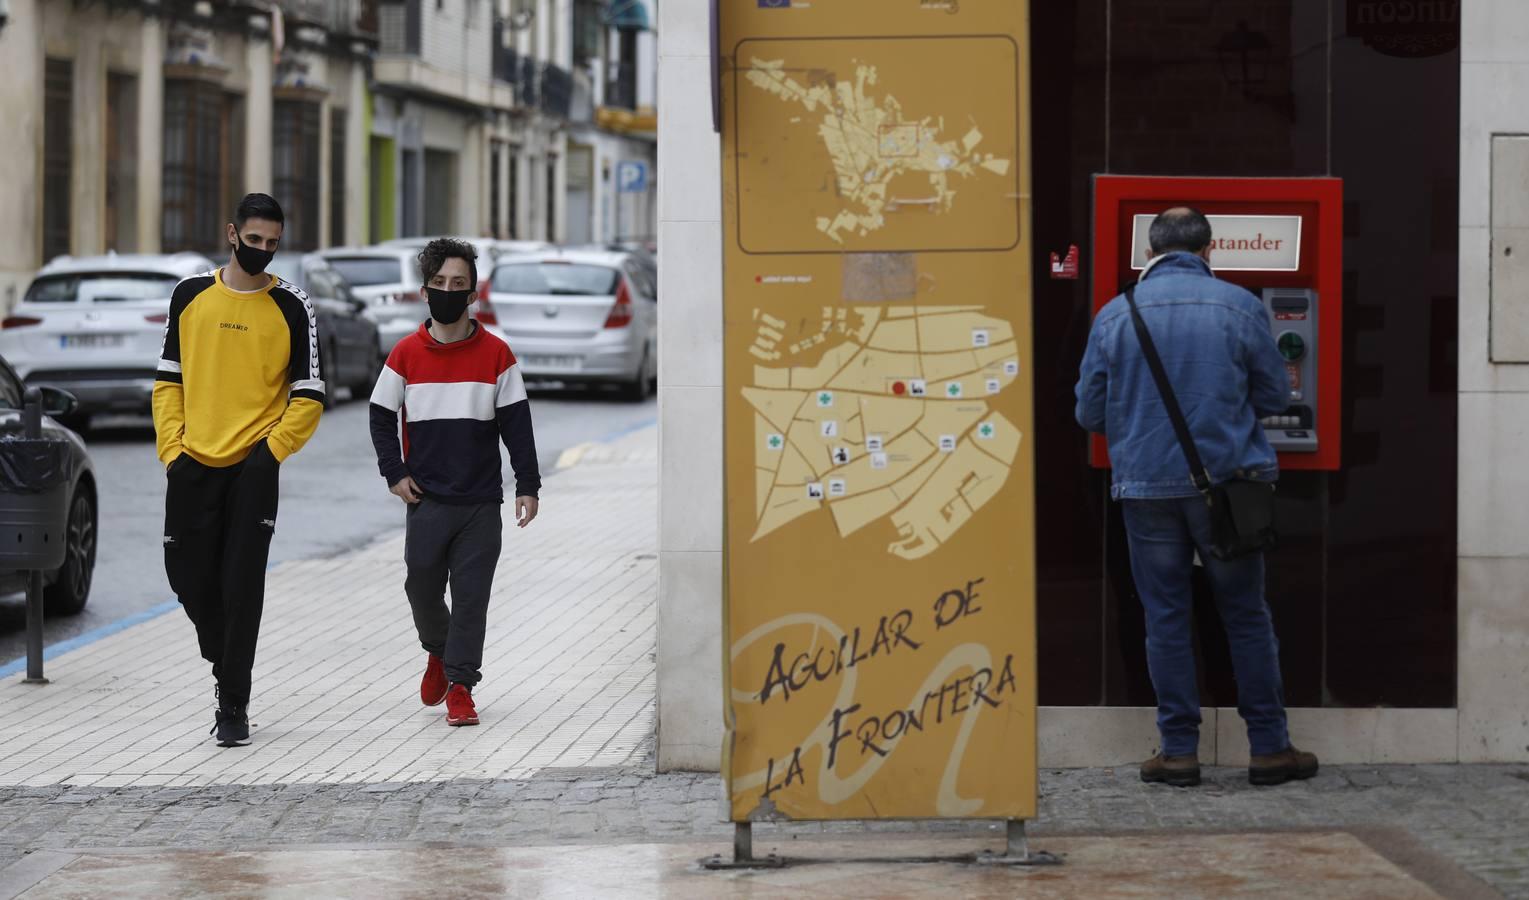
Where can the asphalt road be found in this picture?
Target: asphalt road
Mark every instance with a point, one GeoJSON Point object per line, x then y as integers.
{"type": "Point", "coordinates": [332, 500]}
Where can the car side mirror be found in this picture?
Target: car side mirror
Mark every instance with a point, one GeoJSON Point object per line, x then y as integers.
{"type": "Point", "coordinates": [58, 403]}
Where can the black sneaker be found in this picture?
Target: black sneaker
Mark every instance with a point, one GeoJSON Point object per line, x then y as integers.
{"type": "Point", "coordinates": [232, 728]}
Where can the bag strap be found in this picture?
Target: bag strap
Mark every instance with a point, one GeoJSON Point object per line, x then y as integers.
{"type": "Point", "coordinates": [1197, 471]}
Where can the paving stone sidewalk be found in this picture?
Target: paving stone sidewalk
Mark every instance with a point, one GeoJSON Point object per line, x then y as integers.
{"type": "Point", "coordinates": [568, 664]}
{"type": "Point", "coordinates": [114, 754]}
{"type": "Point", "coordinates": [1476, 816]}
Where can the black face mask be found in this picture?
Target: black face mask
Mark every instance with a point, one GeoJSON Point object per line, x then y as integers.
{"type": "Point", "coordinates": [448, 306]}
{"type": "Point", "coordinates": [252, 261]}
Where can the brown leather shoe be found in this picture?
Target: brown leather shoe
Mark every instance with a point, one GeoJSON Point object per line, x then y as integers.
{"type": "Point", "coordinates": [1179, 771]}
{"type": "Point", "coordinates": [1277, 768]}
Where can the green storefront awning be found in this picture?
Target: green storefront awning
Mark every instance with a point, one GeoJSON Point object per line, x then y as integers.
{"type": "Point", "coordinates": [628, 14]}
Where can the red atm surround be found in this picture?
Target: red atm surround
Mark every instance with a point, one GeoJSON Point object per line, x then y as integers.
{"type": "Point", "coordinates": [1319, 203]}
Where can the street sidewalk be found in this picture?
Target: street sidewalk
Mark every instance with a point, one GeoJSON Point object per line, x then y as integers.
{"type": "Point", "coordinates": [568, 664]}
{"type": "Point", "coordinates": [110, 786]}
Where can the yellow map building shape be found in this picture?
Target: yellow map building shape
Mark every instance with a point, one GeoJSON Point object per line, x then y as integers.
{"type": "Point", "coordinates": [871, 142]}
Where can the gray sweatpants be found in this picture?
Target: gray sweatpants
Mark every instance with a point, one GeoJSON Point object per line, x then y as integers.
{"type": "Point", "coordinates": [459, 544]}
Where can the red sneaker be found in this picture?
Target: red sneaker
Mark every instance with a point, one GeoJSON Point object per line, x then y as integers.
{"type": "Point", "coordinates": [459, 707]}
{"type": "Point", "coordinates": [432, 688]}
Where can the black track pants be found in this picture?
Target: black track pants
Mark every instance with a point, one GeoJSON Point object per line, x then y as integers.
{"type": "Point", "coordinates": [218, 527]}
{"type": "Point", "coordinates": [457, 544]}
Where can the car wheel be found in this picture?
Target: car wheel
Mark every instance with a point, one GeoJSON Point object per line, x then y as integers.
{"type": "Point", "coordinates": [68, 593]}
{"type": "Point", "coordinates": [367, 384]}
{"type": "Point", "coordinates": [637, 390]}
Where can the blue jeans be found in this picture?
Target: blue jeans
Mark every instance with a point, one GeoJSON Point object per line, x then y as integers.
{"type": "Point", "coordinates": [1164, 535]}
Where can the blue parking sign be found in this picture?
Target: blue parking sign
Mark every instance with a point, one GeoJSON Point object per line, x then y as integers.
{"type": "Point", "coordinates": [632, 176]}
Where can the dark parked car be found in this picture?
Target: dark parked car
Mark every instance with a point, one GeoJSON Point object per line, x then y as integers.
{"type": "Point", "coordinates": [348, 350]}
{"type": "Point", "coordinates": [67, 588]}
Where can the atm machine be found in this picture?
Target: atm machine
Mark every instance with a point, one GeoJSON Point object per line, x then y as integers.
{"type": "Point", "coordinates": [1282, 239]}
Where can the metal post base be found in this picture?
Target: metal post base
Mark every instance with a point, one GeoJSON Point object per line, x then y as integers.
{"type": "Point", "coordinates": [743, 853]}
{"type": "Point", "coordinates": [1017, 851]}
{"type": "Point", "coordinates": [34, 629]}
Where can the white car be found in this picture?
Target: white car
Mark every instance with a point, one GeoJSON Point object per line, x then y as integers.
{"type": "Point", "coordinates": [579, 317]}
{"type": "Point", "coordinates": [387, 278]}
{"type": "Point", "coordinates": [94, 326]}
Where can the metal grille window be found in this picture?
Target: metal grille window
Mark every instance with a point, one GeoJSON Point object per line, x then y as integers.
{"type": "Point", "coordinates": [622, 90]}
{"type": "Point", "coordinates": [203, 163]}
{"type": "Point", "coordinates": [556, 91]}
{"type": "Point", "coordinates": [495, 163]}
{"type": "Point", "coordinates": [552, 198]}
{"type": "Point", "coordinates": [295, 167]}
{"type": "Point", "coordinates": [57, 156]}
{"type": "Point", "coordinates": [514, 177]}
{"type": "Point", "coordinates": [337, 192]}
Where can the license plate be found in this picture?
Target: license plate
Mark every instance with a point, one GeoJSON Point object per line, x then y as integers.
{"type": "Point", "coordinates": [560, 363]}
{"type": "Point", "coordinates": [91, 341]}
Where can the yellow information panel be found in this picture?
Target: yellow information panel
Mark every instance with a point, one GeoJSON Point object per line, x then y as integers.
{"type": "Point", "coordinates": [880, 601]}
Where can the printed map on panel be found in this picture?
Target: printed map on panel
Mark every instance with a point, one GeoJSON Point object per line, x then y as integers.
{"type": "Point", "coordinates": [882, 413]}
{"type": "Point", "coordinates": [871, 141]}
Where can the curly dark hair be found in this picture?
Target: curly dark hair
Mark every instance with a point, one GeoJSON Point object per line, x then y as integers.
{"type": "Point", "coordinates": [439, 250]}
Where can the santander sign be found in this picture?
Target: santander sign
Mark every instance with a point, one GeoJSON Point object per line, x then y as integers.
{"type": "Point", "coordinates": [1238, 243]}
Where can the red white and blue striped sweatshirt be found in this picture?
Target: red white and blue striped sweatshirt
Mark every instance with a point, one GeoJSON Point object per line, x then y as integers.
{"type": "Point", "coordinates": [458, 401]}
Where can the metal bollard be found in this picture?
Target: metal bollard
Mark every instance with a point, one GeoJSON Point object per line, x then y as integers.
{"type": "Point", "coordinates": [31, 422]}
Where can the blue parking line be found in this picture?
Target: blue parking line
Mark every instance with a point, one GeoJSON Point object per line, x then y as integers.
{"type": "Point", "coordinates": [52, 651]}
{"type": "Point", "coordinates": [630, 429]}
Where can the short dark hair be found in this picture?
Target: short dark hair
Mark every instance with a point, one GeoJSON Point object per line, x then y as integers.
{"type": "Point", "coordinates": [258, 206]}
{"type": "Point", "coordinates": [1179, 228]}
{"type": "Point", "coordinates": [439, 250]}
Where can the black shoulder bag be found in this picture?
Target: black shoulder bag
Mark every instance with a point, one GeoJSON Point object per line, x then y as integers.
{"type": "Point", "coordinates": [1241, 511]}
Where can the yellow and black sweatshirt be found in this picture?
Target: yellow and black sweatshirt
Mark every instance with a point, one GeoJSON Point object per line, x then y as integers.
{"type": "Point", "coordinates": [238, 367]}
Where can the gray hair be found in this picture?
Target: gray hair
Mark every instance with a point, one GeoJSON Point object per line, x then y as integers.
{"type": "Point", "coordinates": [1179, 228]}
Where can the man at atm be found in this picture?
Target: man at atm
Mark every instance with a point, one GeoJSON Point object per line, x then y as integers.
{"type": "Point", "coordinates": [1221, 359]}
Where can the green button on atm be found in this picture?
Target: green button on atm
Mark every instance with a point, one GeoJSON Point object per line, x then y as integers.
{"type": "Point", "coordinates": [1292, 346]}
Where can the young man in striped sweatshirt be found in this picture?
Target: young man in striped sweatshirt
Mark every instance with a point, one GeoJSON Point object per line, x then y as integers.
{"type": "Point", "coordinates": [460, 394]}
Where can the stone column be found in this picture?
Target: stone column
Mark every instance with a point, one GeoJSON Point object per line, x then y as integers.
{"type": "Point", "coordinates": [151, 135]}
{"type": "Point", "coordinates": [21, 94]}
{"type": "Point", "coordinates": [326, 151]}
{"type": "Point", "coordinates": [258, 116]}
{"type": "Point", "coordinates": [689, 398]}
{"type": "Point", "coordinates": [471, 180]}
{"type": "Point", "coordinates": [358, 209]}
{"type": "Point", "coordinates": [87, 223]}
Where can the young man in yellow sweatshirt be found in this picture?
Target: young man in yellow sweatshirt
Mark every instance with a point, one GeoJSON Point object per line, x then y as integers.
{"type": "Point", "coordinates": [239, 390]}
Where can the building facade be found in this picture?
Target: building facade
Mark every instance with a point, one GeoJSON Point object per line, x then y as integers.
{"type": "Point", "coordinates": [1401, 589]}
{"type": "Point", "coordinates": [137, 124]}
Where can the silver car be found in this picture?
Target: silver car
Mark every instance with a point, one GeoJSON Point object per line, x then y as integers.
{"type": "Point", "coordinates": [580, 317]}
{"type": "Point", "coordinates": [388, 280]}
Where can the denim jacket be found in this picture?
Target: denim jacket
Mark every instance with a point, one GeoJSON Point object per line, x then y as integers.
{"type": "Point", "coordinates": [1220, 357]}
